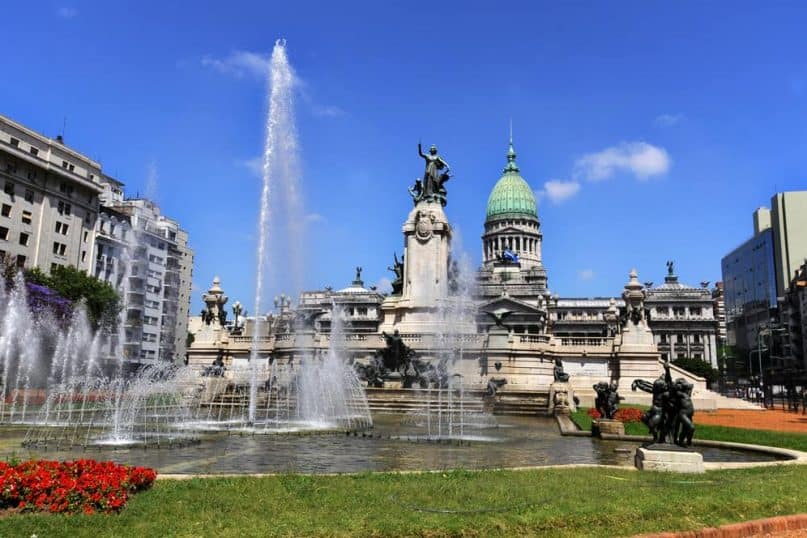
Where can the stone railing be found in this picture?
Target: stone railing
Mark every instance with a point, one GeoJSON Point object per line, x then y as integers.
{"type": "Point", "coordinates": [589, 344]}
{"type": "Point", "coordinates": [533, 339]}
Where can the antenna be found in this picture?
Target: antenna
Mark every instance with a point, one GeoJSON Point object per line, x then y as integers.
{"type": "Point", "coordinates": [64, 125]}
{"type": "Point", "coordinates": [511, 130]}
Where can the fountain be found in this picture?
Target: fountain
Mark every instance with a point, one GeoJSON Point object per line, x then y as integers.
{"type": "Point", "coordinates": [268, 395]}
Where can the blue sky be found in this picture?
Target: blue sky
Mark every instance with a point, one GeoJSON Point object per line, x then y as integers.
{"type": "Point", "coordinates": [651, 131]}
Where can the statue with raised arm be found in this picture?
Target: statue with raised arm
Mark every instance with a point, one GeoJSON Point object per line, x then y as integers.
{"type": "Point", "coordinates": [398, 269]}
{"type": "Point", "coordinates": [435, 175]}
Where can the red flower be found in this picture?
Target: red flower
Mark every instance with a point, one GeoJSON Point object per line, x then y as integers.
{"type": "Point", "coordinates": [72, 486]}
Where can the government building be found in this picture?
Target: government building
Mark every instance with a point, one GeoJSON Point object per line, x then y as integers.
{"type": "Point", "coordinates": [503, 330]}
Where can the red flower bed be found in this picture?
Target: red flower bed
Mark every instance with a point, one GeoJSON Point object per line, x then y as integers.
{"type": "Point", "coordinates": [629, 414]}
{"type": "Point", "coordinates": [71, 486]}
{"type": "Point", "coordinates": [624, 414]}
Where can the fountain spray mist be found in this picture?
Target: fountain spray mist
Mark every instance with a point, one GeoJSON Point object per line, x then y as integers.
{"type": "Point", "coordinates": [279, 169]}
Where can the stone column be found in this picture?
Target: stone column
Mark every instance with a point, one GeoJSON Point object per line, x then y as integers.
{"type": "Point", "coordinates": [427, 236]}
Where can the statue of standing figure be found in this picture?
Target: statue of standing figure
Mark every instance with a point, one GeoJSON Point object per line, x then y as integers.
{"type": "Point", "coordinates": [437, 172]}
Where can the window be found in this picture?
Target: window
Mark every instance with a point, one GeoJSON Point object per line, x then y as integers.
{"type": "Point", "coordinates": [6, 210]}
{"type": "Point", "coordinates": [3, 232]}
{"type": "Point", "coordinates": [31, 173]}
{"type": "Point", "coordinates": [59, 248]}
{"type": "Point", "coordinates": [663, 310]}
{"type": "Point", "coordinates": [29, 196]}
{"type": "Point", "coordinates": [9, 188]}
{"type": "Point", "coordinates": [20, 260]}
{"type": "Point", "coordinates": [83, 255]}
{"type": "Point", "coordinates": [64, 208]}
{"type": "Point", "coordinates": [24, 239]}
{"type": "Point", "coordinates": [679, 338]}
{"type": "Point", "coordinates": [86, 233]}
{"type": "Point", "coordinates": [11, 167]}
{"type": "Point", "coordinates": [695, 311]}
{"type": "Point", "coordinates": [698, 356]}
{"type": "Point", "coordinates": [679, 311]}
{"type": "Point", "coordinates": [663, 338]}
{"type": "Point", "coordinates": [15, 142]}
{"type": "Point", "coordinates": [26, 217]}
{"type": "Point", "coordinates": [66, 188]}
{"type": "Point", "coordinates": [696, 338]}
{"type": "Point", "coordinates": [71, 167]}
{"type": "Point", "coordinates": [61, 228]}
{"type": "Point", "coordinates": [64, 165]}
{"type": "Point", "coordinates": [680, 356]}
{"type": "Point", "coordinates": [34, 151]}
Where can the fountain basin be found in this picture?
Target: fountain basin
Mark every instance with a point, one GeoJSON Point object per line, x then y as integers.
{"type": "Point", "coordinates": [395, 443]}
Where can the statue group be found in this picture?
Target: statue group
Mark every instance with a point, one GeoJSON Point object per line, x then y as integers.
{"type": "Point", "coordinates": [399, 361]}
{"type": "Point", "coordinates": [669, 418]}
{"type": "Point", "coordinates": [607, 401]}
{"type": "Point", "coordinates": [431, 188]}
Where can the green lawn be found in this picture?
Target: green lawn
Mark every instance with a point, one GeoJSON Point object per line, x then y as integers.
{"type": "Point", "coordinates": [556, 502]}
{"type": "Point", "coordinates": [795, 441]}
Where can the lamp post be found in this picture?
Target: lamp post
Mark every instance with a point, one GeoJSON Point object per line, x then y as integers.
{"type": "Point", "coordinates": [237, 309]}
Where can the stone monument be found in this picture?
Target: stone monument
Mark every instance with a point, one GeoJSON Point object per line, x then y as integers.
{"type": "Point", "coordinates": [422, 274]}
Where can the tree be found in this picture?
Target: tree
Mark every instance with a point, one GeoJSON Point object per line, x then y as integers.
{"type": "Point", "coordinates": [698, 367]}
{"type": "Point", "coordinates": [103, 303]}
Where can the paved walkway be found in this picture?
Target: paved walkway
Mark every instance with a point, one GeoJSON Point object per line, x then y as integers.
{"type": "Point", "coordinates": [776, 420]}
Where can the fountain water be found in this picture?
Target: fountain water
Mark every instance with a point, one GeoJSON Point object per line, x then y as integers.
{"type": "Point", "coordinates": [279, 158]}
{"type": "Point", "coordinates": [58, 377]}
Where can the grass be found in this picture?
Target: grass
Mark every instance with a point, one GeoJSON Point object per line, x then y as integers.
{"type": "Point", "coordinates": [795, 441]}
{"type": "Point", "coordinates": [554, 502]}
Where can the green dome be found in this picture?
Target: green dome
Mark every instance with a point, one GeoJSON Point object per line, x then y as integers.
{"type": "Point", "coordinates": [511, 196]}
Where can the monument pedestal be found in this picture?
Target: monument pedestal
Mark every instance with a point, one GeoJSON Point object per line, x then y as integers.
{"type": "Point", "coordinates": [668, 458]}
{"type": "Point", "coordinates": [607, 426]}
{"type": "Point", "coordinates": [561, 398]}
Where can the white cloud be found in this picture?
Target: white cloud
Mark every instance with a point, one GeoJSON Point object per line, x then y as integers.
{"type": "Point", "coordinates": [668, 120]}
{"type": "Point", "coordinates": [586, 274]}
{"type": "Point", "coordinates": [67, 12]}
{"type": "Point", "coordinates": [314, 217]}
{"type": "Point", "coordinates": [253, 165]}
{"type": "Point", "coordinates": [240, 63]}
{"type": "Point", "coordinates": [639, 158]}
{"type": "Point", "coordinates": [558, 190]}
{"type": "Point", "coordinates": [326, 111]}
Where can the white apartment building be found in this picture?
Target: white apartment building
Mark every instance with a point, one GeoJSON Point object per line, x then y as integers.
{"type": "Point", "coordinates": [158, 286]}
{"type": "Point", "coordinates": [49, 202]}
{"type": "Point", "coordinates": [59, 208]}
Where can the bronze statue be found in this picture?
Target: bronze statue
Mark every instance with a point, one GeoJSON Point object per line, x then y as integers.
{"type": "Point", "coordinates": [669, 419]}
{"type": "Point", "coordinates": [607, 401]}
{"type": "Point", "coordinates": [398, 269]}
{"type": "Point", "coordinates": [682, 428]}
{"type": "Point", "coordinates": [436, 174]}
